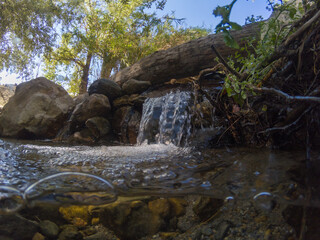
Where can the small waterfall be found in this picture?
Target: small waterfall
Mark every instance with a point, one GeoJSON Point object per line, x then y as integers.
{"type": "Point", "coordinates": [166, 119]}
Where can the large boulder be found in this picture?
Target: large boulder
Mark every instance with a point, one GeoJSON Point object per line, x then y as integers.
{"type": "Point", "coordinates": [135, 86]}
{"type": "Point", "coordinates": [6, 91]}
{"type": "Point", "coordinates": [106, 87]}
{"type": "Point", "coordinates": [95, 105]}
{"type": "Point", "coordinates": [38, 110]}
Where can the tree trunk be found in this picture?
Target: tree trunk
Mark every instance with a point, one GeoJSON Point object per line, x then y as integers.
{"type": "Point", "coordinates": [185, 60]}
{"type": "Point", "coordinates": [106, 68]}
{"type": "Point", "coordinates": [85, 74]}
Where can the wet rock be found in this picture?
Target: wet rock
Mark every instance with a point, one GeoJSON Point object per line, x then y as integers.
{"type": "Point", "coordinates": [160, 206]}
{"type": "Point", "coordinates": [98, 126]}
{"type": "Point", "coordinates": [77, 215]}
{"type": "Point", "coordinates": [206, 231]}
{"type": "Point", "coordinates": [38, 110]}
{"type": "Point", "coordinates": [206, 207]}
{"type": "Point", "coordinates": [135, 86]}
{"type": "Point", "coordinates": [126, 124]}
{"type": "Point", "coordinates": [70, 233]}
{"type": "Point", "coordinates": [17, 227]}
{"type": "Point", "coordinates": [37, 236]}
{"type": "Point", "coordinates": [178, 206]}
{"type": "Point", "coordinates": [129, 100]}
{"type": "Point", "coordinates": [131, 221]}
{"type": "Point", "coordinates": [222, 230]}
{"type": "Point", "coordinates": [106, 87]}
{"type": "Point", "coordinates": [142, 223]}
{"type": "Point", "coordinates": [97, 236]}
{"type": "Point", "coordinates": [84, 136]}
{"type": "Point", "coordinates": [95, 105]}
{"type": "Point", "coordinates": [49, 229]}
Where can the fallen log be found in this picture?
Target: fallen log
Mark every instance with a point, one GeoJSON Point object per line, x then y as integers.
{"type": "Point", "coordinates": [185, 60]}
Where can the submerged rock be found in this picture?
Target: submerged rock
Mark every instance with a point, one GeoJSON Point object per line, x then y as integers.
{"type": "Point", "coordinates": [17, 228]}
{"type": "Point", "coordinates": [49, 229]}
{"type": "Point", "coordinates": [38, 110]}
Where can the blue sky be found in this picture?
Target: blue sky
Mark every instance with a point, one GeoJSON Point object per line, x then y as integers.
{"type": "Point", "coordinates": [199, 12]}
{"type": "Point", "coordinates": [196, 13]}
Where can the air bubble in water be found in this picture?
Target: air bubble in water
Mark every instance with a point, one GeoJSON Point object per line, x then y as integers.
{"type": "Point", "coordinates": [11, 200]}
{"type": "Point", "coordinates": [229, 202]}
{"type": "Point", "coordinates": [71, 188]}
{"type": "Point", "coordinates": [264, 201]}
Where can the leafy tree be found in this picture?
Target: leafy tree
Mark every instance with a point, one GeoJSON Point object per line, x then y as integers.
{"type": "Point", "coordinates": [27, 30]}
{"type": "Point", "coordinates": [111, 34]}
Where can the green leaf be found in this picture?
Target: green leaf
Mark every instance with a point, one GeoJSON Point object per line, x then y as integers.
{"type": "Point", "coordinates": [292, 12]}
{"type": "Point", "coordinates": [235, 26]}
{"type": "Point", "coordinates": [230, 41]}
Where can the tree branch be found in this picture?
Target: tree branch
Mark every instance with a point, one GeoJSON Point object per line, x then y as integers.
{"type": "Point", "coordinates": [230, 69]}
{"type": "Point", "coordinates": [303, 28]}
{"type": "Point", "coordinates": [287, 96]}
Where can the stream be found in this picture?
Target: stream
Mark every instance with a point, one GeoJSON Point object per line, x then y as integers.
{"type": "Point", "coordinates": [34, 173]}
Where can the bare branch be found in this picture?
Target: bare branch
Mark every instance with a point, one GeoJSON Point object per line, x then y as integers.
{"type": "Point", "coordinates": [303, 28]}
{"type": "Point", "coordinates": [273, 129]}
{"type": "Point", "coordinates": [287, 96]}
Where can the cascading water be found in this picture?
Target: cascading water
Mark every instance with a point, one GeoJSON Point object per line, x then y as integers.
{"type": "Point", "coordinates": [166, 119]}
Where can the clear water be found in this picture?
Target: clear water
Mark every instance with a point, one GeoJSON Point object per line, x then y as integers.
{"type": "Point", "coordinates": [33, 172]}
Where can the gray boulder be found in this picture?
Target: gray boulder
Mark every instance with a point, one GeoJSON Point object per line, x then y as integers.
{"type": "Point", "coordinates": [135, 86]}
{"type": "Point", "coordinates": [95, 105]}
{"type": "Point", "coordinates": [98, 126]}
{"type": "Point", "coordinates": [5, 93]}
{"type": "Point", "coordinates": [106, 87]}
{"type": "Point", "coordinates": [38, 110]}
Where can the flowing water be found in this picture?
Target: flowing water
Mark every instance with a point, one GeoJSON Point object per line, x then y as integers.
{"type": "Point", "coordinates": [33, 173]}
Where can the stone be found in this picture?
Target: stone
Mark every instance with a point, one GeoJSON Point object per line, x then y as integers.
{"type": "Point", "coordinates": [106, 87]}
{"type": "Point", "coordinates": [84, 136]}
{"type": "Point", "coordinates": [70, 233]}
{"type": "Point", "coordinates": [49, 229]}
{"type": "Point", "coordinates": [135, 86]}
{"type": "Point", "coordinates": [95, 105]}
{"type": "Point", "coordinates": [38, 110]}
{"type": "Point", "coordinates": [126, 123]}
{"type": "Point", "coordinates": [206, 207]}
{"type": "Point", "coordinates": [16, 227]}
{"type": "Point", "coordinates": [133, 127]}
{"type": "Point", "coordinates": [222, 230]}
{"type": "Point", "coordinates": [37, 236]}
{"type": "Point", "coordinates": [131, 221]}
{"type": "Point", "coordinates": [80, 98]}
{"type": "Point", "coordinates": [98, 126]}
{"type": "Point", "coordinates": [74, 214]}
{"type": "Point", "coordinates": [129, 100]}
{"type": "Point", "coordinates": [97, 236]}
{"type": "Point", "coordinates": [178, 206]}
{"type": "Point", "coordinates": [5, 93]}
{"type": "Point", "coordinates": [160, 206]}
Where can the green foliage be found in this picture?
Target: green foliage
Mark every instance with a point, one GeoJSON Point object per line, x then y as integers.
{"type": "Point", "coordinates": [226, 25]}
{"type": "Point", "coordinates": [274, 31]}
{"type": "Point", "coordinates": [117, 33]}
{"type": "Point", "coordinates": [27, 30]}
